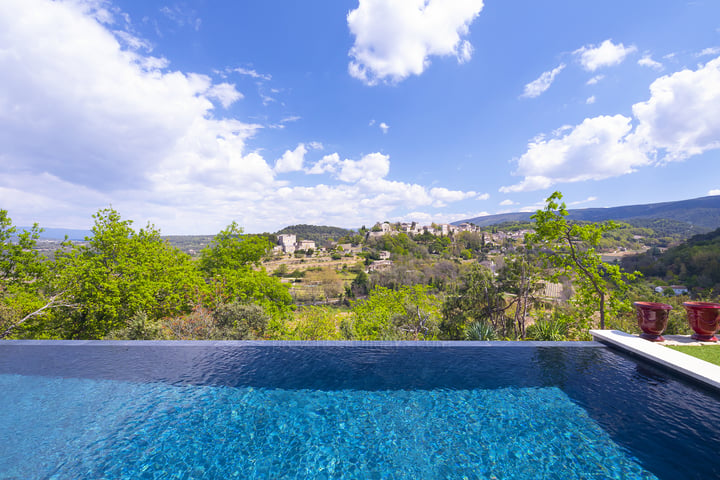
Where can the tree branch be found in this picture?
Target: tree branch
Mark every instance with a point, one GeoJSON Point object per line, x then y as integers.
{"type": "Point", "coordinates": [50, 304]}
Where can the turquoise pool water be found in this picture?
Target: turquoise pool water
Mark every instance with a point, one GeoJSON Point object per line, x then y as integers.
{"type": "Point", "coordinates": [341, 412]}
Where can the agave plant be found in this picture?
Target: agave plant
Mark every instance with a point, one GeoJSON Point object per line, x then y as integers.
{"type": "Point", "coordinates": [480, 331]}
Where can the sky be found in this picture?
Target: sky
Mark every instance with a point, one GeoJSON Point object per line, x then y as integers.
{"type": "Point", "coordinates": [192, 114]}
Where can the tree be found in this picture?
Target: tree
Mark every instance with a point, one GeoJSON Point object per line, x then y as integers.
{"type": "Point", "coordinates": [25, 293]}
{"type": "Point", "coordinates": [227, 265]}
{"type": "Point", "coordinates": [406, 313]}
{"type": "Point", "coordinates": [570, 249]}
{"type": "Point", "coordinates": [520, 278]}
{"type": "Point", "coordinates": [476, 298]}
{"type": "Point", "coordinates": [119, 273]}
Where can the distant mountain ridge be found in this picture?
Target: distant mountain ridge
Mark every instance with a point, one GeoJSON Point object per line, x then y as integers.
{"type": "Point", "coordinates": [703, 212]}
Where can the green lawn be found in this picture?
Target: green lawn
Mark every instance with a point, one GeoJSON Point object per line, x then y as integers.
{"type": "Point", "coordinates": [709, 353]}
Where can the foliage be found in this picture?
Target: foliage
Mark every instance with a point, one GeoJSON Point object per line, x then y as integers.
{"type": "Point", "coordinates": [120, 272]}
{"type": "Point", "coordinates": [316, 323]}
{"type": "Point", "coordinates": [241, 321]}
{"type": "Point", "coordinates": [519, 277]}
{"type": "Point", "coordinates": [227, 266]}
{"type": "Point", "coordinates": [476, 298]}
{"type": "Point", "coordinates": [695, 263]}
{"type": "Point", "coordinates": [553, 328]}
{"type": "Point", "coordinates": [360, 285]}
{"type": "Point", "coordinates": [231, 250]}
{"type": "Point", "coordinates": [571, 249]}
{"type": "Point", "coordinates": [319, 234]}
{"type": "Point", "coordinates": [480, 331]}
{"type": "Point", "coordinates": [199, 324]}
{"type": "Point", "coordinates": [328, 280]}
{"type": "Point", "coordinates": [406, 313]}
{"type": "Point", "coordinates": [25, 293]}
{"type": "Point", "coordinates": [139, 327]}
{"type": "Point", "coordinates": [399, 245]}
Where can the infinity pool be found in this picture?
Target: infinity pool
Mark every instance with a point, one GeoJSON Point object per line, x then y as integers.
{"type": "Point", "coordinates": [411, 410]}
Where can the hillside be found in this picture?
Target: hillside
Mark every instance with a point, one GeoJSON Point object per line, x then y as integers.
{"type": "Point", "coordinates": [319, 234]}
{"type": "Point", "coordinates": [700, 214]}
{"type": "Point", "coordinates": [695, 263]}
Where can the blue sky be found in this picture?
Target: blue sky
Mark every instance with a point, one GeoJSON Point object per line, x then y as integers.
{"type": "Point", "coordinates": [193, 114]}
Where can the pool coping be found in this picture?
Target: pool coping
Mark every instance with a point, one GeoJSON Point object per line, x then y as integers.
{"type": "Point", "coordinates": [302, 343]}
{"type": "Point", "coordinates": [699, 370]}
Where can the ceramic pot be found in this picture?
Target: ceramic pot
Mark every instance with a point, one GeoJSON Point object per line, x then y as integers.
{"type": "Point", "coordinates": [703, 318]}
{"type": "Point", "coordinates": [652, 319]}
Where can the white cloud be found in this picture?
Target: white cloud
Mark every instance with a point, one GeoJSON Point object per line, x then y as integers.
{"type": "Point", "coordinates": [681, 117]}
{"type": "Point", "coordinates": [710, 51]}
{"type": "Point", "coordinates": [580, 202]}
{"type": "Point", "coordinates": [371, 167]}
{"type": "Point", "coordinates": [678, 121]}
{"type": "Point", "coordinates": [384, 127]}
{"type": "Point", "coordinates": [606, 54]}
{"type": "Point", "coordinates": [328, 164]}
{"type": "Point", "coordinates": [225, 93]}
{"type": "Point", "coordinates": [442, 195]}
{"type": "Point", "coordinates": [596, 149]}
{"type": "Point", "coordinates": [714, 192]}
{"type": "Point", "coordinates": [590, 100]}
{"type": "Point", "coordinates": [647, 61]}
{"type": "Point", "coordinates": [395, 39]}
{"type": "Point", "coordinates": [542, 83]}
{"type": "Point", "coordinates": [182, 16]}
{"type": "Point", "coordinates": [507, 203]}
{"type": "Point", "coordinates": [252, 73]}
{"type": "Point", "coordinates": [425, 218]}
{"type": "Point", "coordinates": [595, 79]}
{"type": "Point", "coordinates": [292, 160]}
{"type": "Point", "coordinates": [86, 121]}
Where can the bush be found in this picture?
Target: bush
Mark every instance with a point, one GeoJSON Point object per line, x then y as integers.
{"type": "Point", "coordinates": [480, 331]}
{"type": "Point", "coordinates": [239, 321]}
{"type": "Point", "coordinates": [553, 329]}
{"type": "Point", "coordinates": [139, 327]}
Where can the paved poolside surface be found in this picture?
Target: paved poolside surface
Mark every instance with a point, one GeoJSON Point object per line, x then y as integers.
{"type": "Point", "coordinates": [683, 340]}
{"type": "Point", "coordinates": [699, 370]}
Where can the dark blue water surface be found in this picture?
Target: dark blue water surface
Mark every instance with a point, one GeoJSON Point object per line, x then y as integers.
{"type": "Point", "coordinates": [496, 410]}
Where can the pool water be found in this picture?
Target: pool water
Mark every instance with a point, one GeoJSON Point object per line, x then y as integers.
{"type": "Point", "coordinates": [244, 410]}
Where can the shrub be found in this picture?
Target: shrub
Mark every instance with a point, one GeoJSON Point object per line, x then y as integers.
{"type": "Point", "coordinates": [480, 331]}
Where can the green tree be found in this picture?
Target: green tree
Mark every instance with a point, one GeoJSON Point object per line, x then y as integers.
{"type": "Point", "coordinates": [410, 312]}
{"type": "Point", "coordinates": [316, 323]}
{"type": "Point", "coordinates": [570, 249]}
{"type": "Point", "coordinates": [475, 298]}
{"type": "Point", "coordinates": [25, 293]}
{"type": "Point", "coordinates": [520, 278]}
{"type": "Point", "coordinates": [119, 273]}
{"type": "Point", "coordinates": [227, 265]}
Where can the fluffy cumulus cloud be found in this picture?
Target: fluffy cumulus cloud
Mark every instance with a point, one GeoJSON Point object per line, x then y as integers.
{"type": "Point", "coordinates": [647, 61]}
{"type": "Point", "coordinates": [395, 39]}
{"type": "Point", "coordinates": [681, 117]}
{"type": "Point", "coordinates": [89, 118]}
{"type": "Point", "coordinates": [292, 160]}
{"type": "Point", "coordinates": [607, 54]}
{"type": "Point", "coordinates": [678, 121]}
{"type": "Point", "coordinates": [542, 83]}
{"type": "Point", "coordinates": [593, 150]}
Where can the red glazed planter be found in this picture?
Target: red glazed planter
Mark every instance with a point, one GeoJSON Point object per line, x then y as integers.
{"type": "Point", "coordinates": [652, 319]}
{"type": "Point", "coordinates": [703, 318]}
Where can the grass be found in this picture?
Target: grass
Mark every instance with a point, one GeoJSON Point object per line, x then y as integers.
{"type": "Point", "coordinates": [709, 353]}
